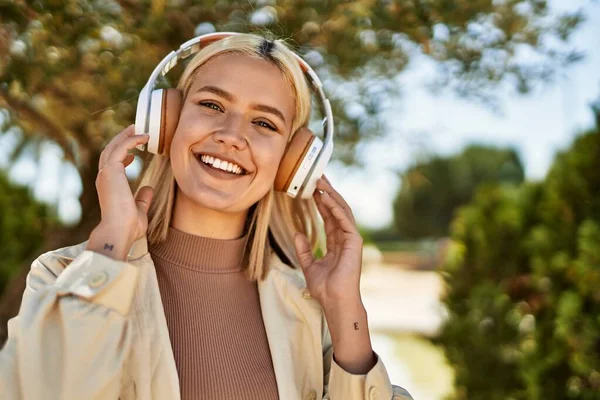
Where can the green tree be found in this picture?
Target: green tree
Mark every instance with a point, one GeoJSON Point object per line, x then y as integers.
{"type": "Point", "coordinates": [431, 191]}
{"type": "Point", "coordinates": [523, 279]}
{"type": "Point", "coordinates": [70, 71]}
{"type": "Point", "coordinates": [24, 222]}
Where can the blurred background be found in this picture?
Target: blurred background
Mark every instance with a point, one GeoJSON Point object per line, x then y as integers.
{"type": "Point", "coordinates": [468, 145]}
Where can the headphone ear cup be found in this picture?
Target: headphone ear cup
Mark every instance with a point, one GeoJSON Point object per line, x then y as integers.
{"type": "Point", "coordinates": [172, 103]}
{"type": "Point", "coordinates": [292, 158]}
{"type": "Point", "coordinates": [165, 108]}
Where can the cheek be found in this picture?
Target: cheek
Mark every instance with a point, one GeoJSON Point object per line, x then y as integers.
{"type": "Point", "coordinates": [269, 156]}
{"type": "Point", "coordinates": [178, 149]}
{"type": "Point", "coordinates": [193, 125]}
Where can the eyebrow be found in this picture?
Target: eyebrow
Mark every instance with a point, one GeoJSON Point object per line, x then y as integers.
{"type": "Point", "coordinates": [230, 97]}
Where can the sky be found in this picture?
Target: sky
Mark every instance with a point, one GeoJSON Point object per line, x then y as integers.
{"type": "Point", "coordinates": [537, 125]}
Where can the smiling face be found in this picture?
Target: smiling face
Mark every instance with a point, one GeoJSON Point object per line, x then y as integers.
{"type": "Point", "coordinates": [239, 110]}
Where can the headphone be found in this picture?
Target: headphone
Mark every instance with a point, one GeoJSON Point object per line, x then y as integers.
{"type": "Point", "coordinates": [305, 157]}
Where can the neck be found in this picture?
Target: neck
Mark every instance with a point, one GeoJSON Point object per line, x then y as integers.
{"type": "Point", "coordinates": [194, 219]}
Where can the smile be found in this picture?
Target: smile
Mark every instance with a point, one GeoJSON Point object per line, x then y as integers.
{"type": "Point", "coordinates": [221, 172]}
{"type": "Point", "coordinates": [221, 164]}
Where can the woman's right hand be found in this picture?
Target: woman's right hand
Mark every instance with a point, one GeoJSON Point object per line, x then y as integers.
{"type": "Point", "coordinates": [124, 219]}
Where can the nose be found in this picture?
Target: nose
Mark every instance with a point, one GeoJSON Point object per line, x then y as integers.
{"type": "Point", "coordinates": [232, 134]}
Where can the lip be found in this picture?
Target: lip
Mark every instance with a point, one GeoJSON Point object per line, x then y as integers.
{"type": "Point", "coordinates": [217, 173]}
{"type": "Point", "coordinates": [224, 158]}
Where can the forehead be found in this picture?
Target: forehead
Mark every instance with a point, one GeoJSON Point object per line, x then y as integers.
{"type": "Point", "coordinates": [249, 79]}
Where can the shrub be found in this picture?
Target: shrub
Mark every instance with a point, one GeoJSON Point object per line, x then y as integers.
{"type": "Point", "coordinates": [23, 222]}
{"type": "Point", "coordinates": [432, 190]}
{"type": "Point", "coordinates": [523, 276]}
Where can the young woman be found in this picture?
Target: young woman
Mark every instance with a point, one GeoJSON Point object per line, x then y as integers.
{"type": "Point", "coordinates": [203, 285]}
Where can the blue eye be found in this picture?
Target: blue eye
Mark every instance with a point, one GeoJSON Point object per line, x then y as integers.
{"type": "Point", "coordinates": [216, 107]}
{"type": "Point", "coordinates": [266, 125]}
{"type": "Point", "coordinates": [211, 105]}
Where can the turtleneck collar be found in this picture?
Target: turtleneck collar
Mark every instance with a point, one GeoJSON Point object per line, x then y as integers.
{"type": "Point", "coordinates": [200, 253]}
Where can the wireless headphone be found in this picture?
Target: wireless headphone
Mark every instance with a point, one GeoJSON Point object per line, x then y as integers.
{"type": "Point", "coordinates": [305, 157]}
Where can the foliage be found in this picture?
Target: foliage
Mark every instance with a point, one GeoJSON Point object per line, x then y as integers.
{"type": "Point", "coordinates": [431, 191]}
{"type": "Point", "coordinates": [23, 222]}
{"type": "Point", "coordinates": [66, 64]}
{"type": "Point", "coordinates": [524, 285]}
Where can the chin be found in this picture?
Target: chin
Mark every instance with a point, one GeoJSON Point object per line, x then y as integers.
{"type": "Point", "coordinates": [214, 201]}
{"type": "Point", "coordinates": [225, 202]}
{"type": "Point", "coordinates": [209, 197]}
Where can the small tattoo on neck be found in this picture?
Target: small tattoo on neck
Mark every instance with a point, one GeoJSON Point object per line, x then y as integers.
{"type": "Point", "coordinates": [356, 326]}
{"type": "Point", "coordinates": [108, 246]}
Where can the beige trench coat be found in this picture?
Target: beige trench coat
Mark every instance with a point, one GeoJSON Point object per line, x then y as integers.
{"type": "Point", "coordinates": [97, 330]}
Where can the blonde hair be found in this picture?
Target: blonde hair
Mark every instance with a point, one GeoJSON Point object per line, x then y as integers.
{"type": "Point", "coordinates": [274, 219]}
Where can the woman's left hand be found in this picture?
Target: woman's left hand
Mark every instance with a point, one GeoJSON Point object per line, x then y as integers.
{"type": "Point", "coordinates": [333, 279]}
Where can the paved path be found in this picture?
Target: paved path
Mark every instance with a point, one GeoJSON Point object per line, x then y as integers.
{"type": "Point", "coordinates": [402, 300]}
{"type": "Point", "coordinates": [403, 306]}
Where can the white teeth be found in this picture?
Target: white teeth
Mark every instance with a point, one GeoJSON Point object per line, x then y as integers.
{"type": "Point", "coordinates": [220, 164]}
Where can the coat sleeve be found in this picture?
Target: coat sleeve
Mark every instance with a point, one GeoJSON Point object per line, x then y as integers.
{"type": "Point", "coordinates": [340, 384]}
{"type": "Point", "coordinates": [72, 334]}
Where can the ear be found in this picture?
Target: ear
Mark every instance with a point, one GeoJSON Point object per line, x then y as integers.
{"type": "Point", "coordinates": [171, 109]}
{"type": "Point", "coordinates": [292, 158]}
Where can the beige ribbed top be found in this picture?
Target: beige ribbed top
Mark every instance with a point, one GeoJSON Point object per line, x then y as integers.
{"type": "Point", "coordinates": [214, 319]}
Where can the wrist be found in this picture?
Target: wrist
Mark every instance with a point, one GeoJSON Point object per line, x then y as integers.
{"type": "Point", "coordinates": [349, 330]}
{"type": "Point", "coordinates": [345, 315]}
{"type": "Point", "coordinates": [111, 241]}
{"type": "Point", "coordinates": [348, 303]}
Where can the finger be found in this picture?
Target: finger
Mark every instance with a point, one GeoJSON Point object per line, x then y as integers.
{"type": "Point", "coordinates": [323, 210]}
{"type": "Point", "coordinates": [303, 251]}
{"type": "Point", "coordinates": [334, 233]}
{"type": "Point", "coordinates": [120, 152]}
{"type": "Point", "coordinates": [329, 222]}
{"type": "Point", "coordinates": [343, 220]}
{"type": "Point", "coordinates": [143, 199]}
{"type": "Point", "coordinates": [326, 186]}
{"type": "Point", "coordinates": [124, 134]}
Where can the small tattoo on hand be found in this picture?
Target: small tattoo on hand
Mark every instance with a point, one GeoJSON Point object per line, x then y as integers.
{"type": "Point", "coordinates": [356, 326]}
{"type": "Point", "coordinates": [108, 246]}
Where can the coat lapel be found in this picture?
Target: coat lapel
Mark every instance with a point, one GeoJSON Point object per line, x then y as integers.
{"type": "Point", "coordinates": [153, 348]}
{"type": "Point", "coordinates": [293, 324]}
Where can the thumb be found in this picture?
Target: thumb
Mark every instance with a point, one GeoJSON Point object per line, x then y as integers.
{"type": "Point", "coordinates": [303, 251]}
{"type": "Point", "coordinates": [144, 199]}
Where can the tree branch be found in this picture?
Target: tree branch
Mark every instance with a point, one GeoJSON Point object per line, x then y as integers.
{"type": "Point", "coordinates": [28, 113]}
